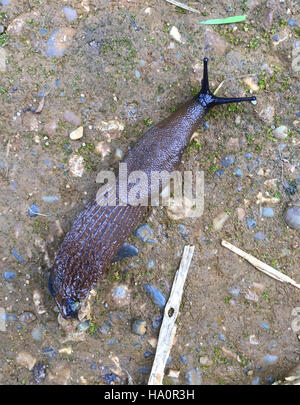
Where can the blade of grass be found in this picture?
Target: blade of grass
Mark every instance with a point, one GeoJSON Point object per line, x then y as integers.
{"type": "Point", "coordinates": [228, 20]}
{"type": "Point", "coordinates": [184, 6]}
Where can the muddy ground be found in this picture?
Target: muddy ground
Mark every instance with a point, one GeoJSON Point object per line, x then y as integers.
{"type": "Point", "coordinates": [114, 68]}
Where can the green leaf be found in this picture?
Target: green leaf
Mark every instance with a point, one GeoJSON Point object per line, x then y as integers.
{"type": "Point", "coordinates": [228, 20]}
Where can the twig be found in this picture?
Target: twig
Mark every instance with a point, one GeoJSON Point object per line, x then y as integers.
{"type": "Point", "coordinates": [181, 5]}
{"type": "Point", "coordinates": [168, 327]}
{"type": "Point", "coordinates": [261, 266]}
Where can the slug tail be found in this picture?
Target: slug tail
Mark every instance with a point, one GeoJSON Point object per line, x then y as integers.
{"type": "Point", "coordinates": [208, 99]}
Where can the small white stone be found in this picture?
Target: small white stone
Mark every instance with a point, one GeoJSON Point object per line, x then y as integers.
{"type": "Point", "coordinates": [148, 10]}
{"type": "Point", "coordinates": [220, 220]}
{"type": "Point", "coordinates": [76, 166]}
{"type": "Point", "coordinates": [119, 154]}
{"type": "Point", "coordinates": [280, 132]}
{"type": "Point", "coordinates": [175, 34]}
{"type": "Point", "coordinates": [76, 134]}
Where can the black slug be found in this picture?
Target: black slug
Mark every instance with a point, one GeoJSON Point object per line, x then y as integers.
{"type": "Point", "coordinates": [99, 231]}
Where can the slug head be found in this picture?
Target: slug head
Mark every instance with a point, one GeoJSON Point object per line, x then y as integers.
{"type": "Point", "coordinates": [207, 99]}
{"type": "Point", "coordinates": [68, 307]}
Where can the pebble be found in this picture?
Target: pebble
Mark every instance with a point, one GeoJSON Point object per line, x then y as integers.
{"type": "Point", "coordinates": [292, 23]}
{"type": "Point", "coordinates": [150, 265]}
{"type": "Point", "coordinates": [9, 275]}
{"type": "Point", "coordinates": [110, 378]}
{"type": "Point", "coordinates": [83, 326]}
{"type": "Point", "coordinates": [16, 26]}
{"type": "Point", "coordinates": [105, 327]}
{"type": "Point", "coordinates": [148, 354]}
{"type": "Point", "coordinates": [17, 256]}
{"type": "Point", "coordinates": [50, 198]}
{"type": "Point", "coordinates": [76, 165]}
{"type": "Point", "coordinates": [59, 41]}
{"type": "Point", "coordinates": [290, 188]}
{"type": "Point", "coordinates": [267, 114]}
{"type": "Point", "coordinates": [76, 134]}
{"type": "Point", "coordinates": [291, 216]}
{"type": "Point", "coordinates": [259, 236]}
{"type": "Point", "coordinates": [205, 361]}
{"type": "Point", "coordinates": [37, 333]}
{"type": "Point", "coordinates": [234, 291]}
{"type": "Point", "coordinates": [255, 381]}
{"type": "Point", "coordinates": [103, 149]}
{"type": "Point", "coordinates": [280, 132]}
{"type": "Point", "coordinates": [111, 129]}
{"type": "Point", "coordinates": [183, 359]}
{"type": "Point", "coordinates": [219, 221]}
{"type": "Point", "coordinates": [138, 327]}
{"type": "Point", "coordinates": [25, 359]}
{"type": "Point", "coordinates": [219, 172]}
{"type": "Point", "coordinates": [193, 376]}
{"type": "Point", "coordinates": [70, 13]}
{"type": "Point", "coordinates": [27, 317]}
{"type": "Point", "coordinates": [265, 325]}
{"type": "Point", "coordinates": [238, 172]}
{"type": "Point", "coordinates": [156, 321]}
{"type": "Point", "coordinates": [250, 223]}
{"type": "Point", "coordinates": [39, 372]}
{"type": "Point", "coordinates": [270, 359]}
{"type": "Point", "coordinates": [227, 161]}
{"type": "Point", "coordinates": [157, 297]}
{"type": "Point", "coordinates": [144, 233]}
{"type": "Point", "coordinates": [3, 56]}
{"type": "Point", "coordinates": [268, 212]}
{"type": "Point", "coordinates": [37, 300]}
{"type": "Point", "coordinates": [175, 34]}
{"type": "Point", "coordinates": [222, 337]}
{"type": "Point", "coordinates": [126, 250]}
{"type": "Point", "coordinates": [33, 210]}
{"type": "Point", "coordinates": [120, 295]}
{"type": "Point", "coordinates": [250, 83]}
{"type": "Point", "coordinates": [119, 154]}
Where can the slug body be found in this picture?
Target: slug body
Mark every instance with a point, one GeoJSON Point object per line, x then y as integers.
{"type": "Point", "coordinates": [99, 232]}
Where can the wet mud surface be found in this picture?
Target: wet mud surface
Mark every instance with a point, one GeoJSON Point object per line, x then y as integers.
{"type": "Point", "coordinates": [113, 68]}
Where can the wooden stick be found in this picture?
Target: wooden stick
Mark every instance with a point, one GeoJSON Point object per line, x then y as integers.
{"type": "Point", "coordinates": [261, 266]}
{"type": "Point", "coordinates": [181, 5]}
{"type": "Point", "coordinates": [168, 327]}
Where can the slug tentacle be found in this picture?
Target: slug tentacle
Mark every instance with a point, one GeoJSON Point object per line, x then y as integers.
{"type": "Point", "coordinates": [207, 99]}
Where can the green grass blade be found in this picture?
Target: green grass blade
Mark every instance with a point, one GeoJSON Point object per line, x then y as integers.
{"type": "Point", "coordinates": [228, 20]}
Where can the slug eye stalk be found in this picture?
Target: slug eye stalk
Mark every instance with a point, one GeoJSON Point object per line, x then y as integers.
{"type": "Point", "coordinates": [206, 97]}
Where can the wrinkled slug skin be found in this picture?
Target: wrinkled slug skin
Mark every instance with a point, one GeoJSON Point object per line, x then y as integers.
{"type": "Point", "coordinates": [99, 231]}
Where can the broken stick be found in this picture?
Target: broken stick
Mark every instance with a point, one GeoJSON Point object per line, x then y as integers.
{"type": "Point", "coordinates": [261, 266]}
{"type": "Point", "coordinates": [168, 327]}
